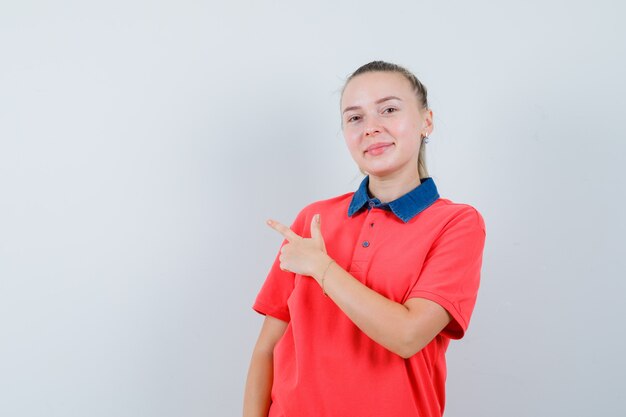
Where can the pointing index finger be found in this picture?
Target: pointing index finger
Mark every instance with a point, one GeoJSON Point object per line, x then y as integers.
{"type": "Point", "coordinates": [289, 234]}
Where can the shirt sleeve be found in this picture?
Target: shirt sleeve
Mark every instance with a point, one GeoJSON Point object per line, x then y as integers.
{"type": "Point", "coordinates": [272, 298]}
{"type": "Point", "coordinates": [450, 275]}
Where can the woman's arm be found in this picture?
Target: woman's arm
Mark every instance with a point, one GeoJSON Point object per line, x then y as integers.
{"type": "Point", "coordinates": [256, 401]}
{"type": "Point", "coordinates": [402, 328]}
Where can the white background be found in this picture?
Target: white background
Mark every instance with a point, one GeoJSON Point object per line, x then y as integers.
{"type": "Point", "coordinates": [143, 144]}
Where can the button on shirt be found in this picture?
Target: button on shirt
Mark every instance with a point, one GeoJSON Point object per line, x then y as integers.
{"type": "Point", "coordinates": [419, 245]}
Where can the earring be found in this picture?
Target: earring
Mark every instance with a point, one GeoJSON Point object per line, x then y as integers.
{"type": "Point", "coordinates": [425, 139]}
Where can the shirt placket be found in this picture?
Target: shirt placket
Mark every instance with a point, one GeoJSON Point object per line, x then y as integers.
{"type": "Point", "coordinates": [367, 241]}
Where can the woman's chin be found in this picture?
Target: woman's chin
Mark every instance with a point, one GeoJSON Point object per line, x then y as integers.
{"type": "Point", "coordinates": [377, 171]}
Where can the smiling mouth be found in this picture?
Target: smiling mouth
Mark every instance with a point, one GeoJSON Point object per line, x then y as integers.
{"type": "Point", "coordinates": [379, 149]}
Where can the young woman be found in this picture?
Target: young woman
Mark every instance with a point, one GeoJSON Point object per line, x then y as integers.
{"type": "Point", "coordinates": [369, 287]}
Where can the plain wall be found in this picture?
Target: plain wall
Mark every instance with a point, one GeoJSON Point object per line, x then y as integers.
{"type": "Point", "coordinates": [143, 144]}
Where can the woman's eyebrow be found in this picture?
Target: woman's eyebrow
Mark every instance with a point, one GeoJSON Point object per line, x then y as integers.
{"type": "Point", "coordinates": [380, 100]}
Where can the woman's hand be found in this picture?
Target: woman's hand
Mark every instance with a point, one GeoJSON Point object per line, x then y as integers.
{"type": "Point", "coordinates": [304, 256]}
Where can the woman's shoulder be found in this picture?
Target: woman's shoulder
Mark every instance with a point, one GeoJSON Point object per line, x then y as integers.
{"type": "Point", "coordinates": [458, 212]}
{"type": "Point", "coordinates": [334, 205]}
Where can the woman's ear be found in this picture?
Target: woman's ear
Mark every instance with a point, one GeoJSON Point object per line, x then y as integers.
{"type": "Point", "coordinates": [428, 123]}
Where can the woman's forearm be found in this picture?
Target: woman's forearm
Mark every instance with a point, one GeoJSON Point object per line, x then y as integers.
{"type": "Point", "coordinates": [385, 321]}
{"type": "Point", "coordinates": [257, 398]}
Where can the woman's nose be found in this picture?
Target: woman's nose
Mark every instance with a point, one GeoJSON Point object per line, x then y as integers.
{"type": "Point", "coordinates": [372, 128]}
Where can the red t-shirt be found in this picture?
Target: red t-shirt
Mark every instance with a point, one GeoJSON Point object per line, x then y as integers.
{"type": "Point", "coordinates": [326, 366]}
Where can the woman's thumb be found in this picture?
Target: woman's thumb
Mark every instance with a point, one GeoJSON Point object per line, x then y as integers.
{"type": "Point", "coordinates": [316, 232]}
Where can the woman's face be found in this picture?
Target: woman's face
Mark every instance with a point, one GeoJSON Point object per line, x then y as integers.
{"type": "Point", "coordinates": [382, 123]}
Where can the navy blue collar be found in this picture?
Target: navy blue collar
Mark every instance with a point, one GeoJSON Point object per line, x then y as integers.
{"type": "Point", "coordinates": [405, 207]}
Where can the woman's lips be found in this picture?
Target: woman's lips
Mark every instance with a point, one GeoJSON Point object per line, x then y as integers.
{"type": "Point", "coordinates": [378, 149]}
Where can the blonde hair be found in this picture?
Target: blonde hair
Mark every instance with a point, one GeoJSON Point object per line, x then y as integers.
{"type": "Point", "coordinates": [418, 88]}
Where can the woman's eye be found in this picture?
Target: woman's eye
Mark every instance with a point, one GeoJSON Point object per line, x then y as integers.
{"type": "Point", "coordinates": [353, 118]}
{"type": "Point", "coordinates": [392, 109]}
